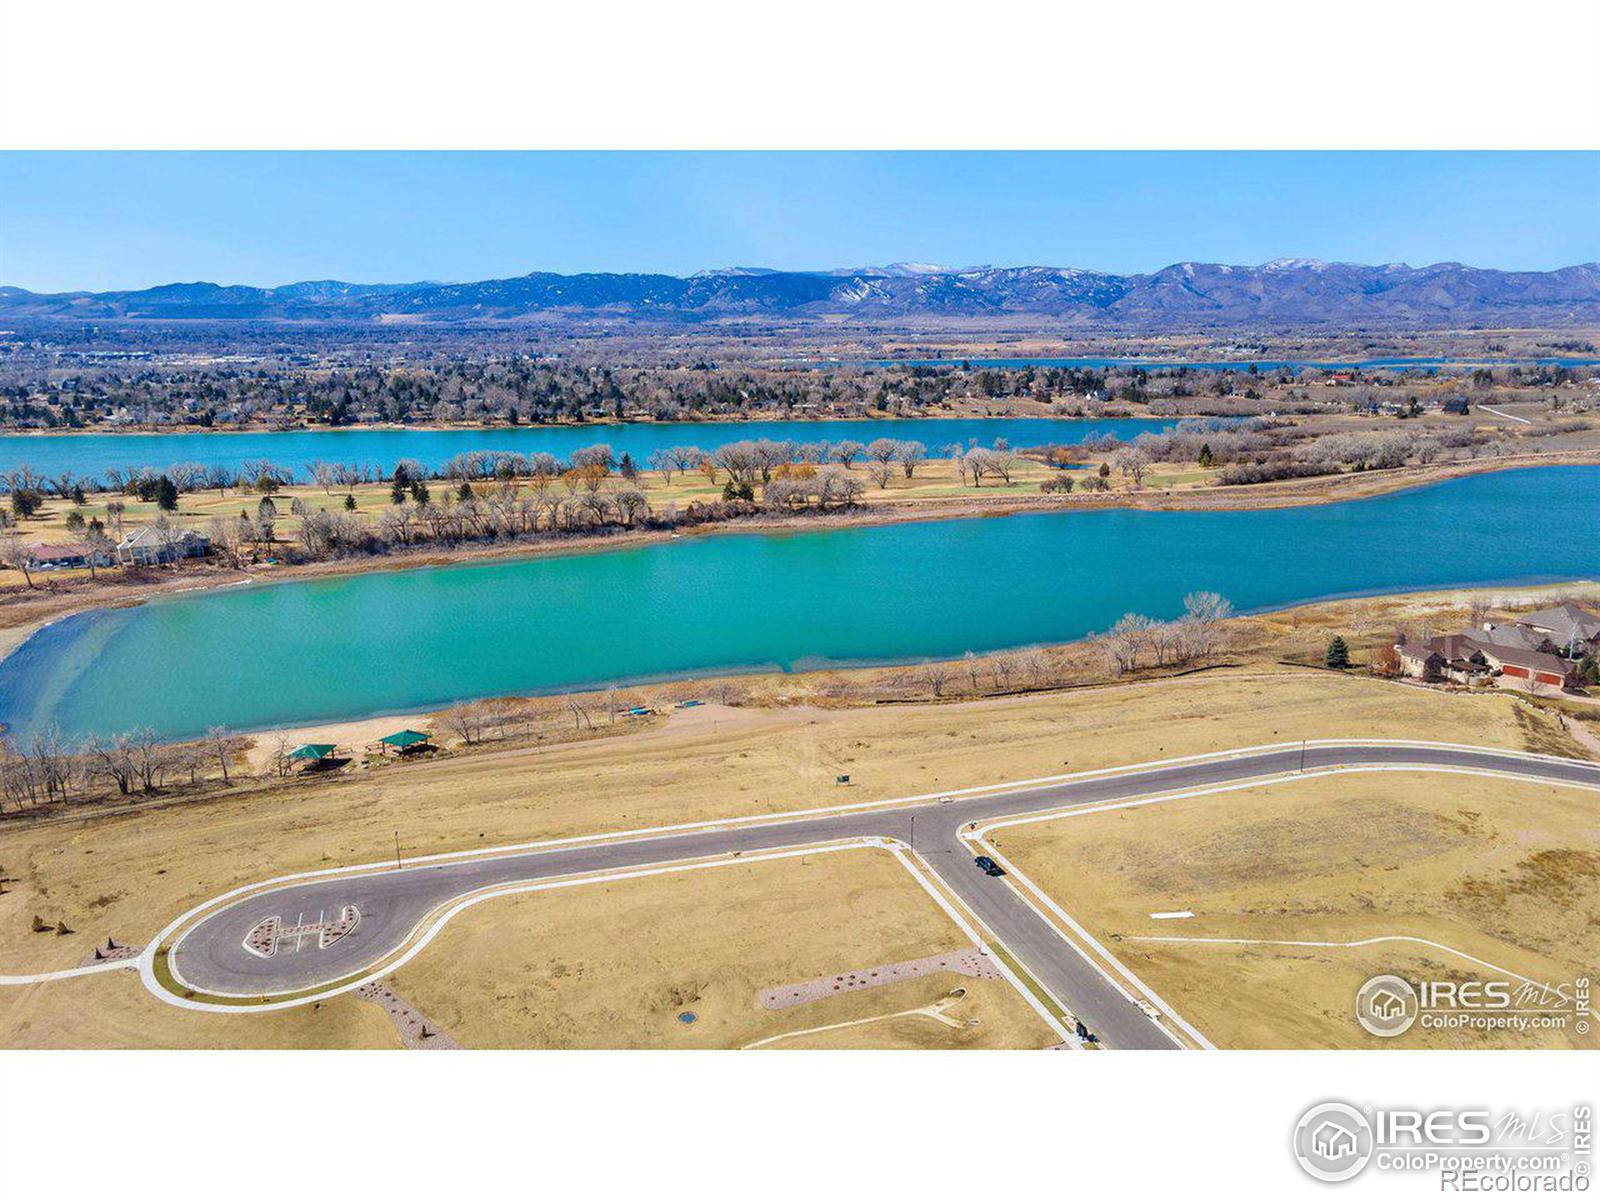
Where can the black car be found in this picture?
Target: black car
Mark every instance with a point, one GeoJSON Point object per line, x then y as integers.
{"type": "Point", "coordinates": [988, 865]}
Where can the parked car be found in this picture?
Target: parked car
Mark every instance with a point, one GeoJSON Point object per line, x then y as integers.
{"type": "Point", "coordinates": [988, 865]}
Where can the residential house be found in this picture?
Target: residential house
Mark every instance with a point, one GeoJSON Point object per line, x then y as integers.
{"type": "Point", "coordinates": [1454, 657]}
{"type": "Point", "coordinates": [154, 545]}
{"type": "Point", "coordinates": [63, 556]}
{"type": "Point", "coordinates": [1530, 669]}
{"type": "Point", "coordinates": [1514, 635]}
{"type": "Point", "coordinates": [1570, 630]}
{"type": "Point", "coordinates": [1465, 658]}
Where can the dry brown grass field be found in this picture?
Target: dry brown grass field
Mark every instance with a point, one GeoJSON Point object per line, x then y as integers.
{"type": "Point", "coordinates": [114, 1012]}
{"type": "Point", "coordinates": [125, 875]}
{"type": "Point", "coordinates": [1506, 871]}
{"type": "Point", "coordinates": [615, 964]}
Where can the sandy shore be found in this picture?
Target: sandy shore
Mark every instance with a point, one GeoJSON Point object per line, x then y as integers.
{"type": "Point", "coordinates": [351, 737]}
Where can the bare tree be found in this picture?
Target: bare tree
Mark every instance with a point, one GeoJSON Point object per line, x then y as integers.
{"type": "Point", "coordinates": [279, 763]}
{"type": "Point", "coordinates": [113, 758]}
{"type": "Point", "coordinates": [150, 758]}
{"type": "Point", "coordinates": [1201, 626]}
{"type": "Point", "coordinates": [1133, 462]}
{"type": "Point", "coordinates": [911, 455]}
{"type": "Point", "coordinates": [224, 746]}
{"type": "Point", "coordinates": [1002, 461]}
{"type": "Point", "coordinates": [579, 713]}
{"type": "Point", "coordinates": [846, 452]}
{"type": "Point", "coordinates": [882, 450]}
{"type": "Point", "coordinates": [936, 675]}
{"type": "Point", "coordinates": [1003, 667]}
{"type": "Point", "coordinates": [466, 721]}
{"type": "Point", "coordinates": [15, 553]}
{"type": "Point", "coordinates": [1125, 641]}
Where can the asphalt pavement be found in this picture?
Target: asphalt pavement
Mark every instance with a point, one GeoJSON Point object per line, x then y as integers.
{"type": "Point", "coordinates": [211, 955]}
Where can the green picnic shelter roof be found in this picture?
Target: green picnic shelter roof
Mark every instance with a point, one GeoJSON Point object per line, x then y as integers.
{"type": "Point", "coordinates": [406, 737]}
{"type": "Point", "coordinates": [313, 750]}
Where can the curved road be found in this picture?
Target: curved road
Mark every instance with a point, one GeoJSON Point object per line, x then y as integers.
{"type": "Point", "coordinates": [211, 955]}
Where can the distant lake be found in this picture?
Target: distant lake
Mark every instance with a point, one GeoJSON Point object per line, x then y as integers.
{"type": "Point", "coordinates": [394, 641]}
{"type": "Point", "coordinates": [1260, 364]}
{"type": "Point", "coordinates": [89, 455]}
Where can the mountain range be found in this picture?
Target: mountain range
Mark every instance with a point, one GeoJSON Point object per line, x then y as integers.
{"type": "Point", "coordinates": [1286, 293]}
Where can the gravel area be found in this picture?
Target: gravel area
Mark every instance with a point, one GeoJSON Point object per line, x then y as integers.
{"type": "Point", "coordinates": [416, 1030]}
{"type": "Point", "coordinates": [968, 960]}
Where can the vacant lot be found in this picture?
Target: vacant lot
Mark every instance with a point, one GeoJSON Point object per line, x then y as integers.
{"type": "Point", "coordinates": [617, 964]}
{"type": "Point", "coordinates": [125, 876]}
{"type": "Point", "coordinates": [1507, 872]}
{"type": "Point", "coordinates": [114, 1012]}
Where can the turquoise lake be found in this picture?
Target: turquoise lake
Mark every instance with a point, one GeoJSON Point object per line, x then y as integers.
{"type": "Point", "coordinates": [89, 455]}
{"type": "Point", "coordinates": [255, 656]}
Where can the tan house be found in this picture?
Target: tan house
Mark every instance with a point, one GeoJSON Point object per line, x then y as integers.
{"type": "Point", "coordinates": [153, 545]}
{"type": "Point", "coordinates": [1462, 658]}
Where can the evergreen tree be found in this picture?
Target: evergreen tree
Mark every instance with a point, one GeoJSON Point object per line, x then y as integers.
{"type": "Point", "coordinates": [1338, 656]}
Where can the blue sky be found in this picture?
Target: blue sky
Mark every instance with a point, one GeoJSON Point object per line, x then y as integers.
{"type": "Point", "coordinates": [119, 220]}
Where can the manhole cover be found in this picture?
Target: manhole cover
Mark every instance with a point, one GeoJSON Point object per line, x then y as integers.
{"type": "Point", "coordinates": [688, 1018]}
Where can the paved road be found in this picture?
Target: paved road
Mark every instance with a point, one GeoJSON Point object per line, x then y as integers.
{"type": "Point", "coordinates": [211, 955]}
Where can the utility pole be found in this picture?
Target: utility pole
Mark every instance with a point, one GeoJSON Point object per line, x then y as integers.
{"type": "Point", "coordinates": [397, 850]}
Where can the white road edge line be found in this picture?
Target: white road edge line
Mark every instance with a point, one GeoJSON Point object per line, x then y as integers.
{"type": "Point", "coordinates": [496, 892]}
{"type": "Point", "coordinates": [121, 964]}
{"type": "Point", "coordinates": [1023, 893]}
{"type": "Point", "coordinates": [901, 851]}
{"type": "Point", "coordinates": [147, 958]}
{"type": "Point", "coordinates": [659, 832]}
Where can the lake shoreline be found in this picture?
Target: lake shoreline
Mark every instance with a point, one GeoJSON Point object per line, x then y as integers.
{"type": "Point", "coordinates": [553, 611]}
{"type": "Point", "coordinates": [45, 605]}
{"type": "Point", "coordinates": [357, 730]}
